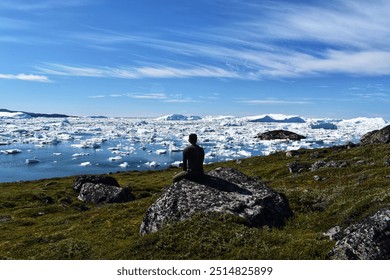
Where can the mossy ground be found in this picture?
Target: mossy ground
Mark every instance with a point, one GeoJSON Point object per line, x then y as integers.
{"type": "Point", "coordinates": [45, 220]}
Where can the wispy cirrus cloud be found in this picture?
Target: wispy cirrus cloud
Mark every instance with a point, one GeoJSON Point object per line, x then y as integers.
{"type": "Point", "coordinates": [153, 96]}
{"type": "Point", "coordinates": [136, 72]}
{"type": "Point", "coordinates": [274, 102]}
{"type": "Point", "coordinates": [282, 40]}
{"type": "Point", "coordinates": [161, 97]}
{"type": "Point", "coordinates": [180, 100]}
{"type": "Point", "coordinates": [371, 96]}
{"type": "Point", "coordinates": [25, 77]}
{"type": "Point", "coordinates": [99, 96]}
{"type": "Point", "coordinates": [371, 92]}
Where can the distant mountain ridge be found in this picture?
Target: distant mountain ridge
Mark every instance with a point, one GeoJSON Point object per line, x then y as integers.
{"type": "Point", "coordinates": [36, 115]}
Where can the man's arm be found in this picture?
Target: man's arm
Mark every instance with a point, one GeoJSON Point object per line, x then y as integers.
{"type": "Point", "coordinates": [185, 159]}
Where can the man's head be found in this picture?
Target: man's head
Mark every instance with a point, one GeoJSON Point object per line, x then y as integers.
{"type": "Point", "coordinates": [192, 138]}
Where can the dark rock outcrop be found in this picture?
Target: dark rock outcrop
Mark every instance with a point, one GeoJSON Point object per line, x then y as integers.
{"type": "Point", "coordinates": [366, 240]}
{"type": "Point", "coordinates": [296, 167]}
{"type": "Point", "coordinates": [101, 189]}
{"type": "Point", "coordinates": [95, 179]}
{"type": "Point", "coordinates": [223, 190]}
{"type": "Point", "coordinates": [376, 136]}
{"type": "Point", "coordinates": [321, 163]}
{"type": "Point", "coordinates": [293, 153]}
{"type": "Point", "coordinates": [280, 134]}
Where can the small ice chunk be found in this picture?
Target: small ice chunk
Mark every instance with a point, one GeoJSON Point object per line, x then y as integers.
{"type": "Point", "coordinates": [115, 158]}
{"type": "Point", "coordinates": [153, 164]}
{"type": "Point", "coordinates": [124, 165]}
{"type": "Point", "coordinates": [32, 160]}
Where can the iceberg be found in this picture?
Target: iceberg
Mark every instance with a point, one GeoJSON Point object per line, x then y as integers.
{"type": "Point", "coordinates": [276, 118]}
{"type": "Point", "coordinates": [323, 125]}
{"type": "Point", "coordinates": [14, 115]}
{"type": "Point", "coordinates": [178, 117]}
{"type": "Point", "coordinates": [11, 151]}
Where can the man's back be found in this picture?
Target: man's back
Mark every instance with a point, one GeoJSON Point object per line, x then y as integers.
{"type": "Point", "coordinates": [193, 157]}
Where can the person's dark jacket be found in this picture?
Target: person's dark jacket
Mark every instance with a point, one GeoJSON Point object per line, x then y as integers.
{"type": "Point", "coordinates": [193, 157]}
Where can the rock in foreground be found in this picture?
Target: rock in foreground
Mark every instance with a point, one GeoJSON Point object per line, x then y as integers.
{"type": "Point", "coordinates": [376, 136]}
{"type": "Point", "coordinates": [223, 190]}
{"type": "Point", "coordinates": [366, 240]}
{"type": "Point", "coordinates": [100, 189]}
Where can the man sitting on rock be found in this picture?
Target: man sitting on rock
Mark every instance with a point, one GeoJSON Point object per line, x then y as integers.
{"type": "Point", "coordinates": [193, 157]}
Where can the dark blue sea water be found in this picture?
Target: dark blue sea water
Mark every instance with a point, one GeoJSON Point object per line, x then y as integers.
{"type": "Point", "coordinates": [62, 160]}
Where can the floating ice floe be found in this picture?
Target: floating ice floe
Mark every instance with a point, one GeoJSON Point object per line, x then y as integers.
{"type": "Point", "coordinates": [244, 153]}
{"type": "Point", "coordinates": [80, 154]}
{"type": "Point", "coordinates": [152, 164]}
{"type": "Point", "coordinates": [32, 161]}
{"type": "Point", "coordinates": [117, 158]}
{"type": "Point", "coordinates": [161, 152]}
{"type": "Point", "coordinates": [11, 151]}
{"type": "Point", "coordinates": [176, 163]}
{"type": "Point", "coordinates": [173, 148]}
{"type": "Point", "coordinates": [124, 165]}
{"type": "Point", "coordinates": [87, 163]}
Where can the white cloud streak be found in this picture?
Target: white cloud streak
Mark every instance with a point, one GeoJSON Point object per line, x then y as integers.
{"type": "Point", "coordinates": [153, 96]}
{"type": "Point", "coordinates": [25, 77]}
{"type": "Point", "coordinates": [136, 72]}
{"type": "Point", "coordinates": [274, 102]}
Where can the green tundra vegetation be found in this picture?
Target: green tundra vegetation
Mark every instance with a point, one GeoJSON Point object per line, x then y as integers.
{"type": "Point", "coordinates": [44, 219]}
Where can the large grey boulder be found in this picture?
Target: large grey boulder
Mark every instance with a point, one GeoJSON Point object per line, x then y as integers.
{"type": "Point", "coordinates": [101, 189]}
{"type": "Point", "coordinates": [96, 179]}
{"type": "Point", "coordinates": [223, 190]}
{"type": "Point", "coordinates": [366, 240]}
{"type": "Point", "coordinates": [280, 134]}
{"type": "Point", "coordinates": [376, 136]}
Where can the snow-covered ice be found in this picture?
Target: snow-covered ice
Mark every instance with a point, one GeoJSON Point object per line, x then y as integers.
{"type": "Point", "coordinates": [62, 144]}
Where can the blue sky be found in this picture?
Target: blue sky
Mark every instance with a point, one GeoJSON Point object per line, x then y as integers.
{"type": "Point", "coordinates": [203, 57]}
